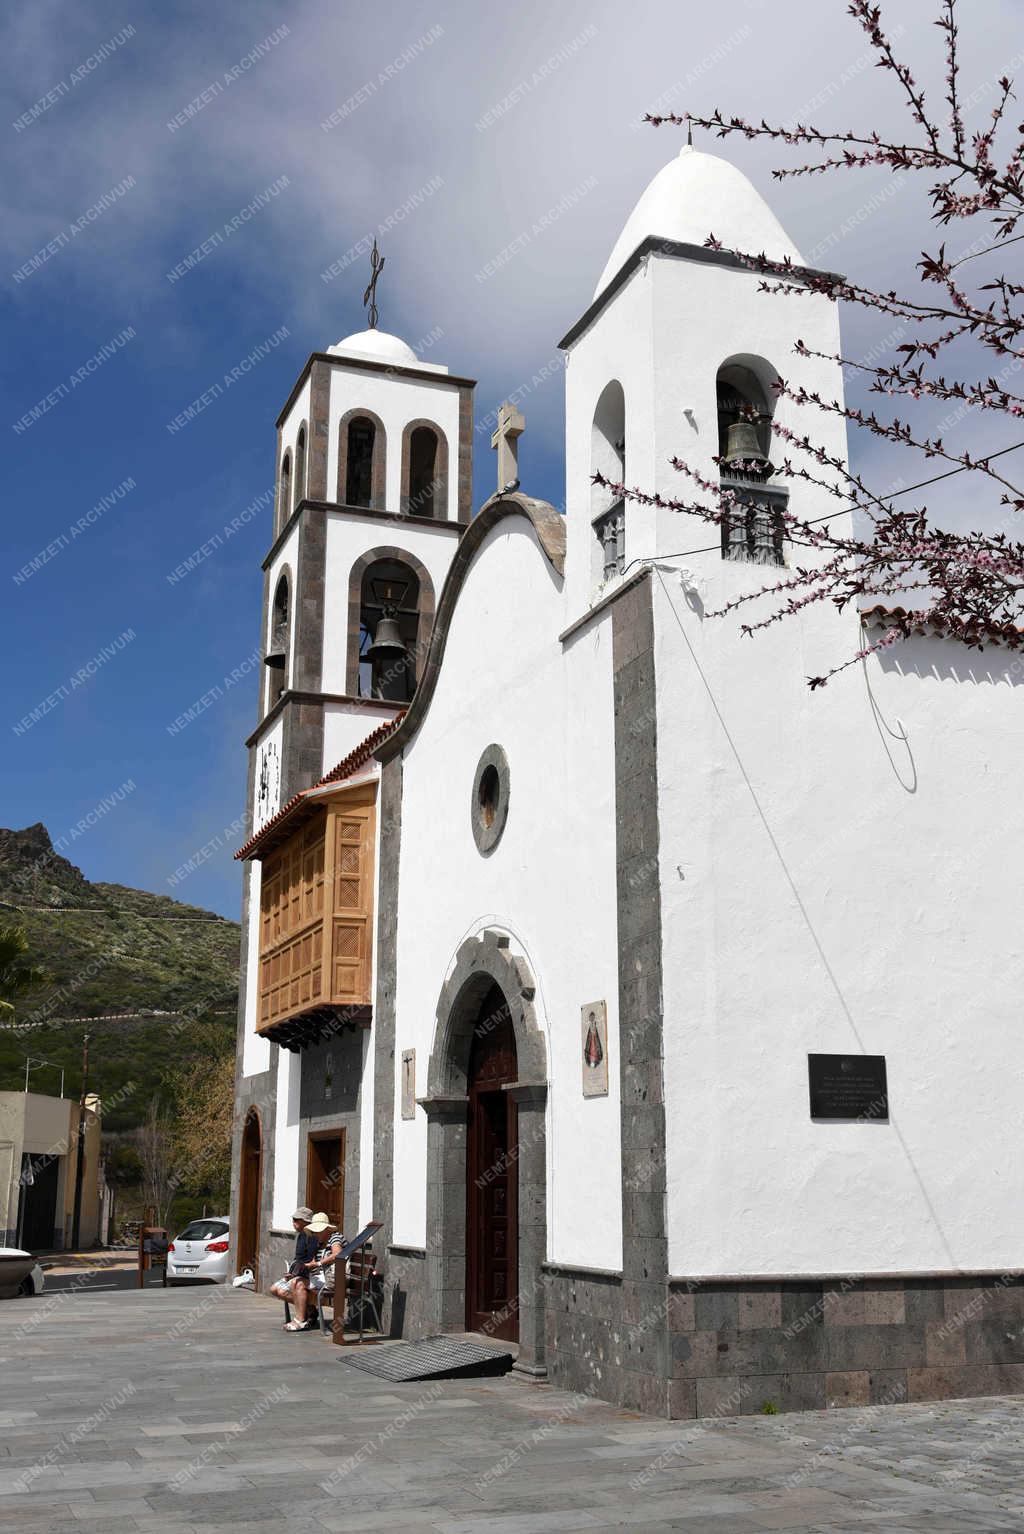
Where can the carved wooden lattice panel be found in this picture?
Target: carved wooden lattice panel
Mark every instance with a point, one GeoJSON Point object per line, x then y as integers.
{"type": "Point", "coordinates": [316, 912]}
{"type": "Point", "coordinates": [353, 830]}
{"type": "Point", "coordinates": [291, 925]}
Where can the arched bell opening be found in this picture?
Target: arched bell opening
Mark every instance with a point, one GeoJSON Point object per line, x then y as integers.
{"type": "Point", "coordinates": [284, 492]}
{"type": "Point", "coordinates": [362, 460]}
{"type": "Point", "coordinates": [409, 629]}
{"type": "Point", "coordinates": [754, 530]}
{"type": "Point", "coordinates": [299, 490]}
{"type": "Point", "coordinates": [276, 656]}
{"type": "Point", "coordinates": [389, 616]}
{"type": "Point", "coordinates": [424, 470]}
{"type": "Point", "coordinates": [607, 507]}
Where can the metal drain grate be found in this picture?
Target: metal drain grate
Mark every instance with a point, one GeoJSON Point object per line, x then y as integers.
{"type": "Point", "coordinates": [431, 1358]}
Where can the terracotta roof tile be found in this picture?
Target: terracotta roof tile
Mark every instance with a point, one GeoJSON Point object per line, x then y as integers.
{"type": "Point", "coordinates": [346, 767]}
{"type": "Point", "coordinates": [880, 616]}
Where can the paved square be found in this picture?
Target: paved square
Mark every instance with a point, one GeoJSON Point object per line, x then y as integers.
{"type": "Point", "coordinates": [190, 1410]}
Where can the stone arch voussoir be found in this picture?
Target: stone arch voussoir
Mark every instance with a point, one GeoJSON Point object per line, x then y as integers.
{"type": "Point", "coordinates": [481, 962]}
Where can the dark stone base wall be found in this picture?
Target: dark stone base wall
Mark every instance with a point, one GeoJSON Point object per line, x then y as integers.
{"type": "Point", "coordinates": [409, 1308]}
{"type": "Point", "coordinates": [582, 1333]}
{"type": "Point", "coordinates": [740, 1345]}
{"type": "Point", "coordinates": [808, 1346]}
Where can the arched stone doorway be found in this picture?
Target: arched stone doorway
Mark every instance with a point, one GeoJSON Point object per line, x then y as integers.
{"type": "Point", "coordinates": [492, 1174]}
{"type": "Point", "coordinates": [489, 1055]}
{"type": "Point", "coordinates": [250, 1182]}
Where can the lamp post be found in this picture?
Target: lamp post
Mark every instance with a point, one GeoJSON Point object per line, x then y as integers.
{"type": "Point", "coordinates": [80, 1166]}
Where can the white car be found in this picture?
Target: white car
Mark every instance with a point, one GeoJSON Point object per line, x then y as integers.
{"type": "Point", "coordinates": [200, 1252]}
{"type": "Point", "coordinates": [20, 1273]}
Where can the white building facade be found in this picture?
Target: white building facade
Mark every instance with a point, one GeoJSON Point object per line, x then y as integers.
{"type": "Point", "coordinates": [662, 1010]}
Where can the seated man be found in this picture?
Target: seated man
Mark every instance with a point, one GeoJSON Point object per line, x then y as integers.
{"type": "Point", "coordinates": [294, 1287]}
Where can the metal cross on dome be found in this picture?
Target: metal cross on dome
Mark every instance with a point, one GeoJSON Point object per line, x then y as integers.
{"type": "Point", "coordinates": [511, 425]}
{"type": "Point", "coordinates": [370, 296]}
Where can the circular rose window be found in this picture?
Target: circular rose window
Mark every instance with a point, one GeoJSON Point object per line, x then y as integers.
{"type": "Point", "coordinates": [489, 805]}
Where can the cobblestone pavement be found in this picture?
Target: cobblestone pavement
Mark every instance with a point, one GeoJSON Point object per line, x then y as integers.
{"type": "Point", "coordinates": [189, 1409]}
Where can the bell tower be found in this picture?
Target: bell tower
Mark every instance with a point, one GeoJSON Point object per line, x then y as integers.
{"type": "Point", "coordinates": [677, 356]}
{"type": "Point", "coordinates": [374, 471]}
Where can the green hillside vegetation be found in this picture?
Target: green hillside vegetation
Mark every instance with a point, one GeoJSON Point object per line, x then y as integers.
{"type": "Point", "coordinates": [108, 949]}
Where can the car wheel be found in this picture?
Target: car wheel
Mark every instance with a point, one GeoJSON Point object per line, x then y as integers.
{"type": "Point", "coordinates": [26, 1286]}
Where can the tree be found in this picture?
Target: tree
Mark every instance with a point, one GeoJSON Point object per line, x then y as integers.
{"type": "Point", "coordinates": [968, 585]}
{"type": "Point", "coordinates": [17, 978]}
{"type": "Point", "coordinates": [200, 1139]}
{"type": "Point", "coordinates": [152, 1143]}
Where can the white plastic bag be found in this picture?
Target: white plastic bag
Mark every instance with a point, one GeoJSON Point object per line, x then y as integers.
{"type": "Point", "coordinates": [244, 1280]}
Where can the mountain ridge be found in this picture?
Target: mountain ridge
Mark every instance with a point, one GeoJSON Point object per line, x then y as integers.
{"type": "Point", "coordinates": [147, 976]}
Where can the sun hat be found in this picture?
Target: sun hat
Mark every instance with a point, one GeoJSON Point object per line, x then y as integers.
{"type": "Point", "coordinates": [320, 1222]}
{"type": "Point", "coordinates": [303, 1213]}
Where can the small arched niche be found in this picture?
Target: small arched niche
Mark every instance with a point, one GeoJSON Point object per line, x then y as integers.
{"type": "Point", "coordinates": [389, 621]}
{"type": "Point", "coordinates": [608, 457]}
{"type": "Point", "coordinates": [276, 658]}
{"type": "Point", "coordinates": [745, 397]}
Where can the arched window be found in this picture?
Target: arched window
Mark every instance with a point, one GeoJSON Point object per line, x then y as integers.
{"type": "Point", "coordinates": [359, 466]}
{"type": "Point", "coordinates": [389, 614]}
{"type": "Point", "coordinates": [300, 465]}
{"type": "Point", "coordinates": [422, 471]}
{"type": "Point", "coordinates": [754, 530]}
{"type": "Point", "coordinates": [284, 492]}
{"type": "Point", "coordinates": [608, 457]}
{"type": "Point", "coordinates": [276, 658]}
{"type": "Point", "coordinates": [362, 460]}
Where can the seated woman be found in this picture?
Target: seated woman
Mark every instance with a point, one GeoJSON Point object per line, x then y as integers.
{"type": "Point", "coordinates": [322, 1275]}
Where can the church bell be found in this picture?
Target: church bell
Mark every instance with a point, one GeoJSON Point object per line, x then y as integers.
{"type": "Point", "coordinates": [387, 641]}
{"type": "Point", "coordinates": [743, 445]}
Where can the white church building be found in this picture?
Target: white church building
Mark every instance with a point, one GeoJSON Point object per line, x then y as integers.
{"type": "Point", "coordinates": [666, 1013]}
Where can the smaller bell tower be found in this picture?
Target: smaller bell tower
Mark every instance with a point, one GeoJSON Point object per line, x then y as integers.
{"type": "Point", "coordinates": [374, 484]}
{"type": "Point", "coordinates": [677, 357]}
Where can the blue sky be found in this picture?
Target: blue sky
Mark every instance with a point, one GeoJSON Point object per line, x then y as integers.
{"type": "Point", "coordinates": [132, 135]}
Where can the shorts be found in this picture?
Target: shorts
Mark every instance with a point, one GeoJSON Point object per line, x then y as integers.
{"type": "Point", "coordinates": [321, 1282]}
{"type": "Point", "coordinates": [287, 1282]}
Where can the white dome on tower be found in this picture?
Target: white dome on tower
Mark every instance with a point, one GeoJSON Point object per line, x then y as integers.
{"type": "Point", "coordinates": [378, 345]}
{"type": "Point", "coordinates": [698, 194]}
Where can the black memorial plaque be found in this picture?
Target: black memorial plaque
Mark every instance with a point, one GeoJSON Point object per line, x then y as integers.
{"type": "Point", "coordinates": [848, 1087]}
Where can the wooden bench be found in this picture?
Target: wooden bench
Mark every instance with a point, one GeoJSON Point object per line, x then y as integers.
{"type": "Point", "coordinates": [362, 1291]}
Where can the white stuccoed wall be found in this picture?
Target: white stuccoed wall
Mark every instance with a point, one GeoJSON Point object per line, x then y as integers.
{"type": "Point", "coordinates": [618, 346]}
{"type": "Point", "coordinates": [873, 909]}
{"type": "Point", "coordinates": [550, 883]}
{"type": "Point", "coordinates": [256, 1050]}
{"type": "Point", "coordinates": [286, 1139]}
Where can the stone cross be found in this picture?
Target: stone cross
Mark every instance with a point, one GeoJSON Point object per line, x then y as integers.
{"type": "Point", "coordinates": [511, 426]}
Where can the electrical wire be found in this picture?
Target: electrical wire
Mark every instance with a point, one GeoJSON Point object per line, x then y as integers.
{"type": "Point", "coordinates": [712, 548]}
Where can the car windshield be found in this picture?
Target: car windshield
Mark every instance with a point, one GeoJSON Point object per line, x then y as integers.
{"type": "Point", "coordinates": [203, 1230]}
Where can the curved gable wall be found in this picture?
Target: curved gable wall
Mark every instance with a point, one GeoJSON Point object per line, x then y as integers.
{"type": "Point", "coordinates": [500, 674]}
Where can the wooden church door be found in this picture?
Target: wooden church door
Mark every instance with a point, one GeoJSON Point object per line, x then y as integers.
{"type": "Point", "coordinates": [492, 1176]}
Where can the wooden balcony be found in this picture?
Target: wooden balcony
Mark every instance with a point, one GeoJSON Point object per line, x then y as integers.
{"type": "Point", "coordinates": [316, 922]}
